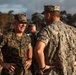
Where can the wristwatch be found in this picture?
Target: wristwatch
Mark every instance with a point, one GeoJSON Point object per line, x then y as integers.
{"type": "Point", "coordinates": [29, 58]}
{"type": "Point", "coordinates": [43, 68]}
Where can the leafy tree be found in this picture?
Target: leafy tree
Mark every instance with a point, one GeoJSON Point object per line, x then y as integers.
{"type": "Point", "coordinates": [38, 19]}
{"type": "Point", "coordinates": [74, 19]}
{"type": "Point", "coordinates": [6, 21]}
{"type": "Point", "coordinates": [68, 18]}
{"type": "Point", "coordinates": [63, 15]}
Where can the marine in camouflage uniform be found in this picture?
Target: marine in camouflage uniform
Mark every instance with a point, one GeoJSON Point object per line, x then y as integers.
{"type": "Point", "coordinates": [14, 49]}
{"type": "Point", "coordinates": [33, 34]}
{"type": "Point", "coordinates": [60, 42]}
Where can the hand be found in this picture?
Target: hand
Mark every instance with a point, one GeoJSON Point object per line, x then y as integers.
{"type": "Point", "coordinates": [41, 72]}
{"type": "Point", "coordinates": [9, 66]}
{"type": "Point", "coordinates": [28, 63]}
{"type": "Point", "coordinates": [48, 67]}
{"type": "Point", "coordinates": [45, 69]}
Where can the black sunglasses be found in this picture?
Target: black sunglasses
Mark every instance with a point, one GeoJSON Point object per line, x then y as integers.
{"type": "Point", "coordinates": [23, 22]}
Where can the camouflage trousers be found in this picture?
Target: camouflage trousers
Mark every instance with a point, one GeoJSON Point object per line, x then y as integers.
{"type": "Point", "coordinates": [5, 72]}
{"type": "Point", "coordinates": [28, 72]}
{"type": "Point", "coordinates": [49, 72]}
{"type": "Point", "coordinates": [55, 72]}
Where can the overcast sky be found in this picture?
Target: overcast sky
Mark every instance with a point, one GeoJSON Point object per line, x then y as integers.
{"type": "Point", "coordinates": [32, 6]}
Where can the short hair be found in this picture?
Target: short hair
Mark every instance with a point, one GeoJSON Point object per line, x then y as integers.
{"type": "Point", "coordinates": [55, 13]}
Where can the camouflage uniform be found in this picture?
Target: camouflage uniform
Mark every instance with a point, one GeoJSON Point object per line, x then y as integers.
{"type": "Point", "coordinates": [33, 35]}
{"type": "Point", "coordinates": [14, 49]}
{"type": "Point", "coordinates": [60, 41]}
{"type": "Point", "coordinates": [34, 66]}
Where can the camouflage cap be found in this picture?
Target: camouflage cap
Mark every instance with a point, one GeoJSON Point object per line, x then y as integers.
{"type": "Point", "coordinates": [20, 17]}
{"type": "Point", "coordinates": [49, 8]}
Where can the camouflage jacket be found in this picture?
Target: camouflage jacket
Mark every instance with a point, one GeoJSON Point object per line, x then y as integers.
{"type": "Point", "coordinates": [14, 49]}
{"type": "Point", "coordinates": [60, 50]}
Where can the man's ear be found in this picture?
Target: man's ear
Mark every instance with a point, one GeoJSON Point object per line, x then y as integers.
{"type": "Point", "coordinates": [48, 15]}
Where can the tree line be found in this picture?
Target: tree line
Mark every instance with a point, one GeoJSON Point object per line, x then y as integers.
{"type": "Point", "coordinates": [7, 19]}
